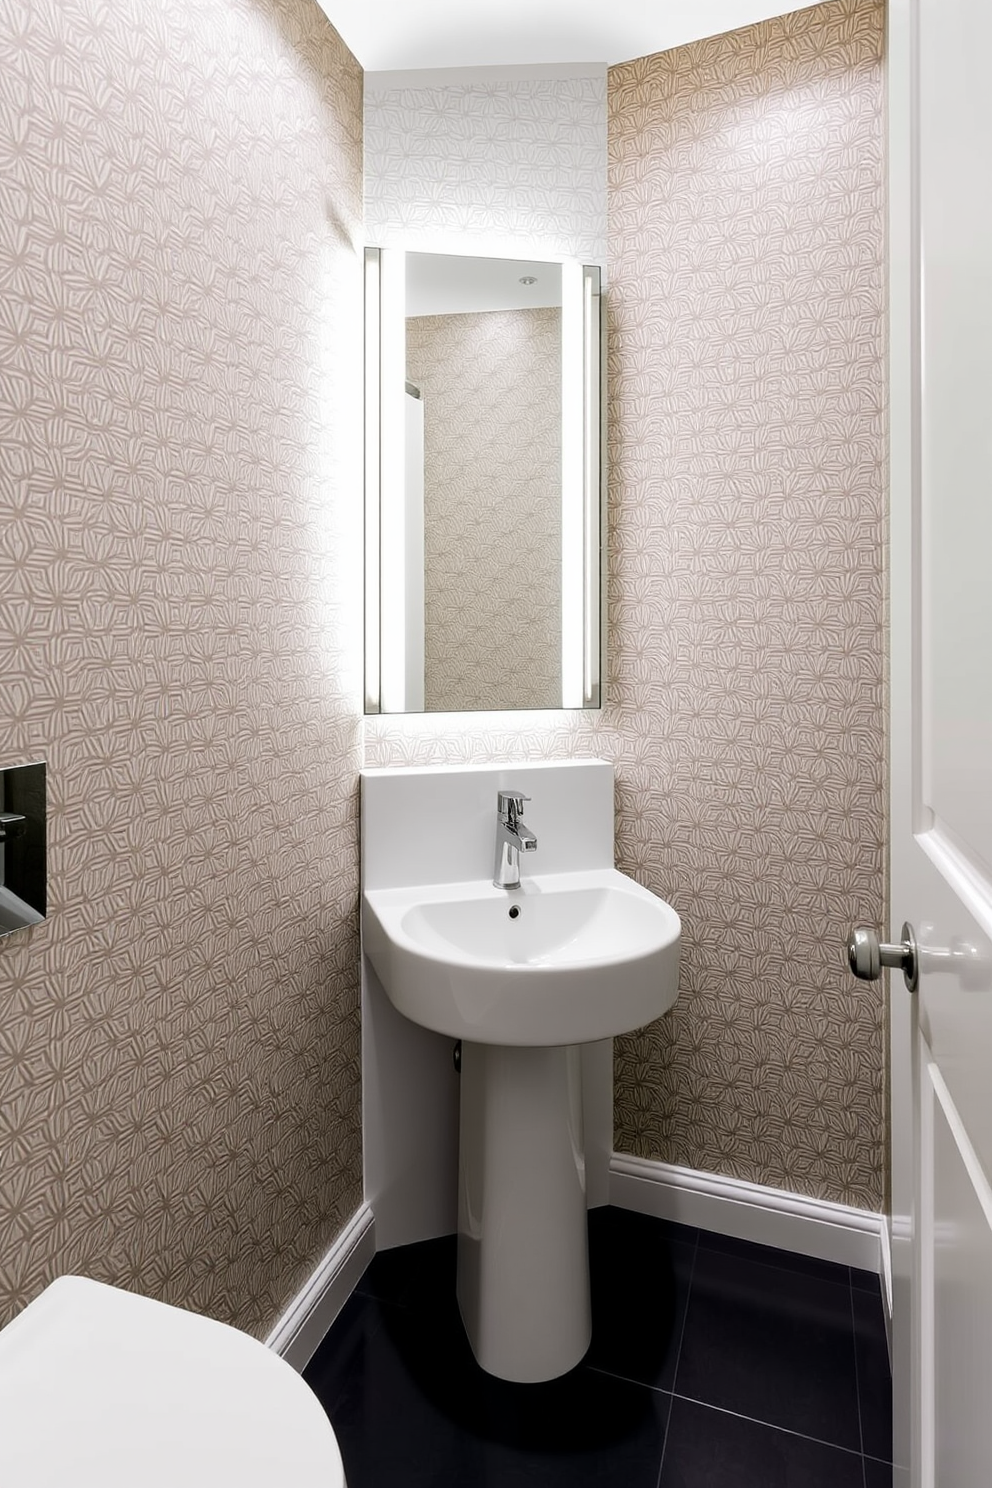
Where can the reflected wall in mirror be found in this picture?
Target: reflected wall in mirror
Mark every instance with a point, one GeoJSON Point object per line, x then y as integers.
{"type": "Point", "coordinates": [483, 483]}
{"type": "Point", "coordinates": [483, 364]}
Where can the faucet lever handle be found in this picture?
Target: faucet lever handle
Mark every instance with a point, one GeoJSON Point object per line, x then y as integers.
{"type": "Point", "coordinates": [507, 800]}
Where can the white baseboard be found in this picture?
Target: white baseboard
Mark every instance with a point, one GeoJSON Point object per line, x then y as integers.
{"type": "Point", "coordinates": [312, 1311]}
{"type": "Point", "coordinates": [726, 1206]}
{"type": "Point", "coordinates": [748, 1211]}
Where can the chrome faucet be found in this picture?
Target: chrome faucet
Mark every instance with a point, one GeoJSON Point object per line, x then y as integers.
{"type": "Point", "coordinates": [513, 837]}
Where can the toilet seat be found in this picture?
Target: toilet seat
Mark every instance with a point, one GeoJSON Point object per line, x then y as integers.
{"type": "Point", "coordinates": [101, 1388]}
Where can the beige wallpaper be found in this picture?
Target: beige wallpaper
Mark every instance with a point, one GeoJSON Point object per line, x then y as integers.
{"type": "Point", "coordinates": [491, 388]}
{"type": "Point", "coordinates": [180, 205]}
{"type": "Point", "coordinates": [746, 682]}
{"type": "Point", "coordinates": [515, 160]}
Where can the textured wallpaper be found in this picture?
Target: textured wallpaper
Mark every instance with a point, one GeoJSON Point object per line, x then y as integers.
{"type": "Point", "coordinates": [180, 206]}
{"type": "Point", "coordinates": [491, 385]}
{"type": "Point", "coordinates": [516, 160]}
{"type": "Point", "coordinates": [748, 447]}
{"type": "Point", "coordinates": [746, 673]}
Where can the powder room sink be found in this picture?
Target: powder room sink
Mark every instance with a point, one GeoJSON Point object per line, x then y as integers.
{"type": "Point", "coordinates": [567, 958]}
{"type": "Point", "coordinates": [492, 915]}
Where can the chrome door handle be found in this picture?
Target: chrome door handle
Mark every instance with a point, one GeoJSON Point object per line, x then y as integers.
{"type": "Point", "coordinates": [867, 955]}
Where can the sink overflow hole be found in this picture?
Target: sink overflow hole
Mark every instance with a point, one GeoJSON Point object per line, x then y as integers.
{"type": "Point", "coordinates": [514, 911]}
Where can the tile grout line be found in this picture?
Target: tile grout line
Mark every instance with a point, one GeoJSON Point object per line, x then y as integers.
{"type": "Point", "coordinates": [857, 1378]}
{"type": "Point", "coordinates": [815, 1274]}
{"type": "Point", "coordinates": [678, 1357]}
{"type": "Point", "coordinates": [772, 1426]}
{"type": "Point", "coordinates": [626, 1379]}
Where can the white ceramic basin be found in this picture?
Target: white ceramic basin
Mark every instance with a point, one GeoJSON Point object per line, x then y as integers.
{"type": "Point", "coordinates": [568, 958]}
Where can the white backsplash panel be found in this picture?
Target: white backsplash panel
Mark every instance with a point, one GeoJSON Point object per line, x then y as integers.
{"type": "Point", "coordinates": [437, 824]}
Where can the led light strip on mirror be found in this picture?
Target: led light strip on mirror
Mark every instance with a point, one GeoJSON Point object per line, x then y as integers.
{"type": "Point", "coordinates": [505, 599]}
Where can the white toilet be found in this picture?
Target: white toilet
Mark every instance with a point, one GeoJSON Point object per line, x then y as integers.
{"type": "Point", "coordinates": [100, 1388]}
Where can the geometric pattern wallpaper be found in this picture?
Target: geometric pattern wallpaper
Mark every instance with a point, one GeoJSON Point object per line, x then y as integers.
{"type": "Point", "coordinates": [518, 160]}
{"type": "Point", "coordinates": [180, 477]}
{"type": "Point", "coordinates": [747, 434]}
{"type": "Point", "coordinates": [746, 688]}
{"type": "Point", "coordinates": [180, 530]}
{"type": "Point", "coordinates": [491, 389]}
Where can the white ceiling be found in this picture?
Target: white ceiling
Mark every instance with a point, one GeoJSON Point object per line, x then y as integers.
{"type": "Point", "coordinates": [439, 284]}
{"type": "Point", "coordinates": [399, 34]}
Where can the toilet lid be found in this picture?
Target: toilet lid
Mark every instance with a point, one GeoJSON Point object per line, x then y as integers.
{"type": "Point", "coordinates": [105, 1388]}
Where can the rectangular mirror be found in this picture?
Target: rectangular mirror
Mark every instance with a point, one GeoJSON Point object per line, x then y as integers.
{"type": "Point", "coordinates": [483, 483]}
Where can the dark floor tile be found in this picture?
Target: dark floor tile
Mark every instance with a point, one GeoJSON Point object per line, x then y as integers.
{"type": "Point", "coordinates": [874, 1378]}
{"type": "Point", "coordinates": [616, 1234]}
{"type": "Point", "coordinates": [771, 1343]}
{"type": "Point", "coordinates": [866, 1281]}
{"type": "Point", "coordinates": [412, 1275]}
{"type": "Point", "coordinates": [764, 1336]}
{"type": "Point", "coordinates": [769, 1255]}
{"type": "Point", "coordinates": [709, 1449]}
{"type": "Point", "coordinates": [640, 1273]}
{"type": "Point", "coordinates": [390, 1427]}
{"type": "Point", "coordinates": [883, 1475]}
{"type": "Point", "coordinates": [587, 1430]}
{"type": "Point", "coordinates": [344, 1347]}
{"type": "Point", "coordinates": [412, 1409]}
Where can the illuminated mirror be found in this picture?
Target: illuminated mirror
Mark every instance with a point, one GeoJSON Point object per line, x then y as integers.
{"type": "Point", "coordinates": [483, 483]}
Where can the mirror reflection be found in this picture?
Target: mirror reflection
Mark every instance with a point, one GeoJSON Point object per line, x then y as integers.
{"type": "Point", "coordinates": [484, 483]}
{"type": "Point", "coordinates": [483, 367]}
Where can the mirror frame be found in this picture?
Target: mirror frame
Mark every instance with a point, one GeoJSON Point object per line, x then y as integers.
{"type": "Point", "coordinates": [583, 509]}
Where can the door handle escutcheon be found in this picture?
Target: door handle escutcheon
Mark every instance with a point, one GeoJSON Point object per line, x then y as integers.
{"type": "Point", "coordinates": [867, 955]}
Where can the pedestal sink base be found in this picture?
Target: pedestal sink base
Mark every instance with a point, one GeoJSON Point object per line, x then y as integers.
{"type": "Point", "coordinates": [523, 1266]}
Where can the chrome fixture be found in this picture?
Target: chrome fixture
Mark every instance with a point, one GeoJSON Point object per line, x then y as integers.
{"type": "Point", "coordinates": [866, 956]}
{"type": "Point", "coordinates": [513, 837]}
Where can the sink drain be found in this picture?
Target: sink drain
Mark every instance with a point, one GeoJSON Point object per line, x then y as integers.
{"type": "Point", "coordinates": [514, 911]}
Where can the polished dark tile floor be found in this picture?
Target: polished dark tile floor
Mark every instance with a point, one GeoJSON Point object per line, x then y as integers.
{"type": "Point", "coordinates": [714, 1364]}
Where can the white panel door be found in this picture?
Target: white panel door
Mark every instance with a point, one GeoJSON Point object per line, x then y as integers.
{"type": "Point", "coordinates": [941, 875]}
